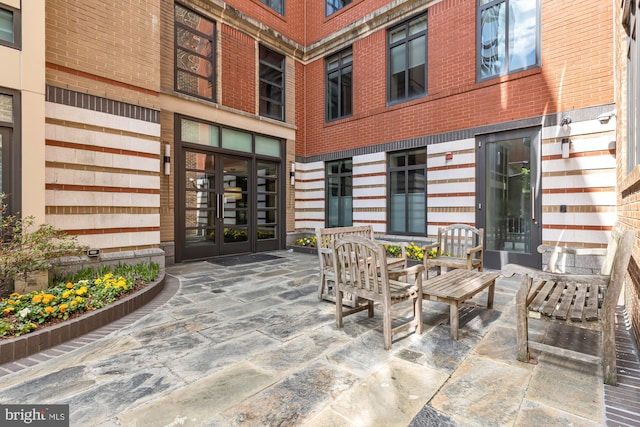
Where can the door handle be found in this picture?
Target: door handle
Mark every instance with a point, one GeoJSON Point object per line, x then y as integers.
{"type": "Point", "coordinates": [533, 203]}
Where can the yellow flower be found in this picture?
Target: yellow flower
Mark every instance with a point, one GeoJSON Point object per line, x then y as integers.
{"type": "Point", "coordinates": [15, 295]}
{"type": "Point", "coordinates": [82, 290]}
{"type": "Point", "coordinates": [49, 310]}
{"type": "Point", "coordinates": [66, 294]}
{"type": "Point", "coordinates": [63, 307]}
{"type": "Point", "coordinates": [8, 310]}
{"type": "Point", "coordinates": [69, 285]}
{"type": "Point", "coordinates": [37, 299]}
{"type": "Point", "coordinates": [11, 302]}
{"type": "Point", "coordinates": [74, 303]}
{"type": "Point", "coordinates": [79, 299]}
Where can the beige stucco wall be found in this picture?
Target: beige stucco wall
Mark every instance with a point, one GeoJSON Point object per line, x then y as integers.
{"type": "Point", "coordinates": [23, 70]}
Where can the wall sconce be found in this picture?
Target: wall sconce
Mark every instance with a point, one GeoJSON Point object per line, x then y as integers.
{"type": "Point", "coordinates": [605, 117]}
{"type": "Point", "coordinates": [565, 144]}
{"type": "Point", "coordinates": [566, 120]}
{"type": "Point", "coordinates": [292, 174]}
{"type": "Point", "coordinates": [167, 159]}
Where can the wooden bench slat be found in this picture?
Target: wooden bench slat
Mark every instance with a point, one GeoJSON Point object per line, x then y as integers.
{"type": "Point", "coordinates": [542, 295]}
{"type": "Point", "coordinates": [593, 300]}
{"type": "Point", "coordinates": [567, 301]}
{"type": "Point", "coordinates": [577, 310]}
{"type": "Point", "coordinates": [552, 302]}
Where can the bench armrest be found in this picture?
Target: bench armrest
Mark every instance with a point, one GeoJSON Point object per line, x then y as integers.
{"type": "Point", "coordinates": [415, 269]}
{"type": "Point", "coordinates": [474, 250]}
{"type": "Point", "coordinates": [426, 248]}
{"type": "Point", "coordinates": [596, 279]}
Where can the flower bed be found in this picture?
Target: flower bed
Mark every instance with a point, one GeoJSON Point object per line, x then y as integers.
{"type": "Point", "coordinates": [24, 313]}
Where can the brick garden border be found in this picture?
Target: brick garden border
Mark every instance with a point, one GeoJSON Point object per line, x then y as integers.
{"type": "Point", "coordinates": [37, 341]}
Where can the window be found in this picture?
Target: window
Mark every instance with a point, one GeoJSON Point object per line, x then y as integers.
{"type": "Point", "coordinates": [633, 90]}
{"type": "Point", "coordinates": [9, 148]}
{"type": "Point", "coordinates": [339, 208]}
{"type": "Point", "coordinates": [194, 54]}
{"type": "Point", "coordinates": [408, 60]}
{"type": "Point", "coordinates": [407, 192]}
{"type": "Point", "coordinates": [508, 34]}
{"type": "Point", "coordinates": [277, 5]}
{"type": "Point", "coordinates": [335, 5]}
{"type": "Point", "coordinates": [10, 34]}
{"type": "Point", "coordinates": [271, 84]}
{"type": "Point", "coordinates": [339, 96]}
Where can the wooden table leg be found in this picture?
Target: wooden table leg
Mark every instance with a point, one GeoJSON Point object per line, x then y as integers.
{"type": "Point", "coordinates": [454, 319]}
{"type": "Point", "coordinates": [492, 289]}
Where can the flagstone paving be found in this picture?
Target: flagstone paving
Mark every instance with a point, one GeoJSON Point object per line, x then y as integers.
{"type": "Point", "coordinates": [251, 345]}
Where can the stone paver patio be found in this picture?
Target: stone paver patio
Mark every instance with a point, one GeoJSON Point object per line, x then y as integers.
{"type": "Point", "coordinates": [250, 344]}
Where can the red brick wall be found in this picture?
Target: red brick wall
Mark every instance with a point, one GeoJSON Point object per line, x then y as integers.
{"type": "Point", "coordinates": [291, 24]}
{"type": "Point", "coordinates": [576, 73]}
{"type": "Point", "coordinates": [238, 70]}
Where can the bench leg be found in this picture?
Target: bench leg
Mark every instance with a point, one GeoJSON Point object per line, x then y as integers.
{"type": "Point", "coordinates": [454, 319]}
{"type": "Point", "coordinates": [386, 325]}
{"type": "Point", "coordinates": [339, 308]}
{"type": "Point", "coordinates": [492, 289]}
{"type": "Point", "coordinates": [522, 323]}
{"type": "Point", "coordinates": [321, 286]}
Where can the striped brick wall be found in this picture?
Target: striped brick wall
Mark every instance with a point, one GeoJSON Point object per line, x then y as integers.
{"type": "Point", "coordinates": [102, 175]}
{"type": "Point", "coordinates": [585, 182]}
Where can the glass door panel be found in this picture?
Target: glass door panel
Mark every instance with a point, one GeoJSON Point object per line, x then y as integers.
{"type": "Point", "coordinates": [267, 203]}
{"type": "Point", "coordinates": [235, 196]}
{"type": "Point", "coordinates": [199, 201]}
{"type": "Point", "coordinates": [508, 198]}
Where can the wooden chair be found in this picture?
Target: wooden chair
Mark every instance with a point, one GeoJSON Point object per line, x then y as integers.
{"type": "Point", "coordinates": [459, 246]}
{"type": "Point", "coordinates": [587, 301]}
{"type": "Point", "coordinates": [362, 270]}
{"type": "Point", "coordinates": [325, 238]}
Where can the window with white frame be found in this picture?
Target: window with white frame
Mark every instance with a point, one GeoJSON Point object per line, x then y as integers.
{"type": "Point", "coordinates": [508, 36]}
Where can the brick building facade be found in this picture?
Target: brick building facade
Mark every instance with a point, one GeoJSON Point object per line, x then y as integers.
{"type": "Point", "coordinates": [208, 128]}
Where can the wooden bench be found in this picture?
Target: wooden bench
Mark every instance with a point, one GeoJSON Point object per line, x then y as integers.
{"type": "Point", "coordinates": [362, 270]}
{"type": "Point", "coordinates": [459, 246]}
{"type": "Point", "coordinates": [587, 301]}
{"type": "Point", "coordinates": [325, 239]}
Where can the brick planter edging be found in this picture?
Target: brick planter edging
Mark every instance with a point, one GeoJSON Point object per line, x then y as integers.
{"type": "Point", "coordinates": [37, 341]}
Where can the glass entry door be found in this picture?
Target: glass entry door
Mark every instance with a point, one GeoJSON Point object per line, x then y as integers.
{"type": "Point", "coordinates": [509, 207]}
{"type": "Point", "coordinates": [215, 205]}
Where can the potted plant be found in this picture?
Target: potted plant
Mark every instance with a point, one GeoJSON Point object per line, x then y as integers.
{"type": "Point", "coordinates": [27, 250]}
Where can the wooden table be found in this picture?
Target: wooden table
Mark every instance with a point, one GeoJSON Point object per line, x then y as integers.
{"type": "Point", "coordinates": [457, 286]}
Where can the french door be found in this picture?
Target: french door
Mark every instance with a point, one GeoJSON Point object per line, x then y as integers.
{"type": "Point", "coordinates": [508, 197]}
{"type": "Point", "coordinates": [226, 204]}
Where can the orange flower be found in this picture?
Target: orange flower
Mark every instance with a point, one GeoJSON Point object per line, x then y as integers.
{"type": "Point", "coordinates": [63, 307]}
{"type": "Point", "coordinates": [69, 285]}
{"type": "Point", "coordinates": [49, 310]}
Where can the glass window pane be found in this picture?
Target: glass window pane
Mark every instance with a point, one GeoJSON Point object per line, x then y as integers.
{"type": "Point", "coordinates": [398, 59]}
{"type": "Point", "coordinates": [236, 140]}
{"type": "Point", "coordinates": [397, 34]}
{"type": "Point", "coordinates": [194, 42]}
{"type": "Point", "coordinates": [522, 34]}
{"type": "Point", "coordinates": [6, 25]}
{"type": "Point", "coordinates": [267, 146]}
{"type": "Point", "coordinates": [199, 133]}
{"type": "Point", "coordinates": [492, 34]}
{"type": "Point", "coordinates": [266, 232]}
{"type": "Point", "coordinates": [193, 20]}
{"type": "Point", "coordinates": [6, 108]}
{"type": "Point", "coordinates": [418, 25]}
